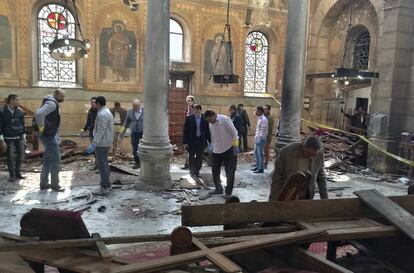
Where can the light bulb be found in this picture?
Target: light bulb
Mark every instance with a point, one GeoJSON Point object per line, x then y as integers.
{"type": "Point", "coordinates": [346, 82]}
{"type": "Point", "coordinates": [67, 53]}
{"type": "Point", "coordinates": [332, 75]}
{"type": "Point", "coordinates": [88, 45]}
{"type": "Point", "coordinates": [335, 81]}
{"type": "Point", "coordinates": [66, 41]}
{"type": "Point", "coordinates": [360, 77]}
{"type": "Point", "coordinates": [86, 55]}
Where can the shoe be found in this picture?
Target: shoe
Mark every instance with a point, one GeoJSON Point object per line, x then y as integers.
{"type": "Point", "coordinates": [93, 168]}
{"type": "Point", "coordinates": [185, 168]}
{"type": "Point", "coordinates": [136, 166]}
{"type": "Point", "coordinates": [12, 179]}
{"type": "Point", "coordinates": [97, 171]}
{"type": "Point", "coordinates": [254, 169]}
{"type": "Point", "coordinates": [259, 171]}
{"type": "Point", "coordinates": [101, 191]}
{"type": "Point", "coordinates": [20, 176]}
{"type": "Point", "coordinates": [57, 189]}
{"type": "Point", "coordinates": [46, 187]}
{"type": "Point", "coordinates": [216, 192]}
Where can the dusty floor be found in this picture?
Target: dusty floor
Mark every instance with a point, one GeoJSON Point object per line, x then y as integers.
{"type": "Point", "coordinates": [148, 212]}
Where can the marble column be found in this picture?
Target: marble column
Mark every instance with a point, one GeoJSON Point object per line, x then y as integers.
{"type": "Point", "coordinates": [155, 149]}
{"type": "Point", "coordinates": [391, 110]}
{"type": "Point", "coordinates": [294, 73]}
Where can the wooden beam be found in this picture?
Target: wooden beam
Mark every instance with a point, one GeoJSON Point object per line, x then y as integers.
{"type": "Point", "coordinates": [288, 211]}
{"type": "Point", "coordinates": [332, 235]}
{"type": "Point", "coordinates": [10, 262]}
{"type": "Point", "coordinates": [139, 239]}
{"type": "Point", "coordinates": [261, 242]}
{"type": "Point", "coordinates": [101, 247]}
{"type": "Point", "coordinates": [394, 213]}
{"type": "Point", "coordinates": [218, 259]}
{"type": "Point", "coordinates": [304, 258]}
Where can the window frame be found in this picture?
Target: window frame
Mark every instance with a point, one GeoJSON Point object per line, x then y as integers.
{"type": "Point", "coordinates": [356, 63]}
{"type": "Point", "coordinates": [266, 70]}
{"type": "Point", "coordinates": [182, 40]}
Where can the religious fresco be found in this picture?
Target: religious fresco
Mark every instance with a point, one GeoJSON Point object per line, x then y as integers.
{"type": "Point", "coordinates": [118, 52]}
{"type": "Point", "coordinates": [5, 46]}
{"type": "Point", "coordinates": [216, 58]}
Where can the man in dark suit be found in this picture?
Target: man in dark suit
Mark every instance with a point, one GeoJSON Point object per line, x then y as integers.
{"type": "Point", "coordinates": [195, 137]}
{"type": "Point", "coordinates": [245, 126]}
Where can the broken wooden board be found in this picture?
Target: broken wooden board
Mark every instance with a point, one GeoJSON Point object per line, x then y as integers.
{"type": "Point", "coordinates": [261, 242]}
{"type": "Point", "coordinates": [394, 213]}
{"type": "Point", "coordinates": [101, 247]}
{"type": "Point", "coordinates": [71, 243]}
{"type": "Point", "coordinates": [219, 260]}
{"type": "Point", "coordinates": [11, 262]}
{"type": "Point", "coordinates": [123, 169]}
{"type": "Point", "coordinates": [284, 211]}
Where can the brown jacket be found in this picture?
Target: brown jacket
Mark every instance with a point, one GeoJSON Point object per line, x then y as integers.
{"type": "Point", "coordinates": [122, 114]}
{"type": "Point", "coordinates": [286, 164]}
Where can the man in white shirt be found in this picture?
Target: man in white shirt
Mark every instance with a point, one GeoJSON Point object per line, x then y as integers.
{"type": "Point", "coordinates": [260, 140]}
{"type": "Point", "coordinates": [225, 142]}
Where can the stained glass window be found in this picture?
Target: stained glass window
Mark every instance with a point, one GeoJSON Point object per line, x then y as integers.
{"type": "Point", "coordinates": [52, 18]}
{"type": "Point", "coordinates": [256, 59]}
{"type": "Point", "coordinates": [176, 41]}
{"type": "Point", "coordinates": [361, 50]}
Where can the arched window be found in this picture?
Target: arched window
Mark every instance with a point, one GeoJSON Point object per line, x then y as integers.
{"type": "Point", "coordinates": [176, 41]}
{"type": "Point", "coordinates": [361, 50]}
{"type": "Point", "coordinates": [54, 18]}
{"type": "Point", "coordinates": [256, 60]}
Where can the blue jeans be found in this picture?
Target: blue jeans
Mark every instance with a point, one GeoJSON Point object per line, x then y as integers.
{"type": "Point", "coordinates": [259, 153]}
{"type": "Point", "coordinates": [101, 154]}
{"type": "Point", "coordinates": [51, 161]}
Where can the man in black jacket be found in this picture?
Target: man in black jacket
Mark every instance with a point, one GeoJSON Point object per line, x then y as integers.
{"type": "Point", "coordinates": [245, 126]}
{"type": "Point", "coordinates": [237, 121]}
{"type": "Point", "coordinates": [90, 123]}
{"type": "Point", "coordinates": [90, 120]}
{"type": "Point", "coordinates": [12, 134]}
{"type": "Point", "coordinates": [195, 137]}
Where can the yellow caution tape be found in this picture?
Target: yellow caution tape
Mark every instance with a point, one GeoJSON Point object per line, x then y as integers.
{"type": "Point", "coordinates": [372, 144]}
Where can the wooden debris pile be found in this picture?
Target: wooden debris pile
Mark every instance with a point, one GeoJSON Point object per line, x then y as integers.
{"type": "Point", "coordinates": [275, 235]}
{"type": "Point", "coordinates": [343, 152]}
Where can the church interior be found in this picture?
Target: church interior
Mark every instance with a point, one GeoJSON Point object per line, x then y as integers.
{"type": "Point", "coordinates": [306, 104]}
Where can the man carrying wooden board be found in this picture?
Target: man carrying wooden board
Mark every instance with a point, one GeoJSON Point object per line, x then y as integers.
{"type": "Point", "coordinates": [302, 157]}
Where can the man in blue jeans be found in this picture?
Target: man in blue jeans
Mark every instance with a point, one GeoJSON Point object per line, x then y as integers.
{"type": "Point", "coordinates": [103, 136]}
{"type": "Point", "coordinates": [262, 129]}
{"type": "Point", "coordinates": [48, 121]}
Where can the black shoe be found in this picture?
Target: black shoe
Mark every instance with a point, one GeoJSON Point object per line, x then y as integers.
{"type": "Point", "coordinates": [254, 169]}
{"type": "Point", "coordinates": [46, 187]}
{"type": "Point", "coordinates": [259, 171]}
{"type": "Point", "coordinates": [216, 192]}
{"type": "Point", "coordinates": [12, 179]}
{"type": "Point", "coordinates": [136, 166]}
{"type": "Point", "coordinates": [57, 189]}
{"type": "Point", "coordinates": [20, 176]}
{"type": "Point", "coordinates": [184, 168]}
{"type": "Point", "coordinates": [93, 168]}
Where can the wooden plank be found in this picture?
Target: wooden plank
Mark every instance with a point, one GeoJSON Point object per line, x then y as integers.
{"type": "Point", "coordinates": [76, 260]}
{"type": "Point", "coordinates": [218, 259]}
{"type": "Point", "coordinates": [263, 241]}
{"type": "Point", "coordinates": [290, 211]}
{"type": "Point", "coordinates": [332, 235]}
{"type": "Point", "coordinates": [394, 213]}
{"type": "Point", "coordinates": [138, 239]}
{"type": "Point", "coordinates": [101, 247]}
{"type": "Point", "coordinates": [10, 262]}
{"type": "Point", "coordinates": [304, 258]}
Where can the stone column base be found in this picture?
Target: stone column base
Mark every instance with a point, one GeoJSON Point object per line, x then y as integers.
{"type": "Point", "coordinates": [380, 162]}
{"type": "Point", "coordinates": [155, 166]}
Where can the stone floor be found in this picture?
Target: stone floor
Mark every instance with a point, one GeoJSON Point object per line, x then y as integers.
{"type": "Point", "coordinates": [132, 212]}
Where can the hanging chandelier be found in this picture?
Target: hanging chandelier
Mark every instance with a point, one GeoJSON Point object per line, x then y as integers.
{"type": "Point", "coordinates": [65, 48]}
{"type": "Point", "coordinates": [343, 74]}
